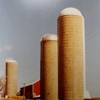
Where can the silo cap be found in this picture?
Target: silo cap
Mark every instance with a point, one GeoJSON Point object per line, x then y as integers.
{"type": "Point", "coordinates": [10, 60]}
{"type": "Point", "coordinates": [49, 37]}
{"type": "Point", "coordinates": [70, 11]}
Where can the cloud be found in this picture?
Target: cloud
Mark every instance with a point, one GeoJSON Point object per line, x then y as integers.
{"type": "Point", "coordinates": [5, 48]}
{"type": "Point", "coordinates": [8, 47]}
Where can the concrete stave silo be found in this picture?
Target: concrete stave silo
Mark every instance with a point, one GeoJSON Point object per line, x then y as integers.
{"type": "Point", "coordinates": [70, 55]}
{"type": "Point", "coordinates": [11, 77]}
{"type": "Point", "coordinates": [49, 71]}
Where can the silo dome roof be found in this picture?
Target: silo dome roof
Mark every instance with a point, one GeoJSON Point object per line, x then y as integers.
{"type": "Point", "coordinates": [87, 95]}
{"type": "Point", "coordinates": [10, 60]}
{"type": "Point", "coordinates": [49, 37]}
{"type": "Point", "coordinates": [70, 11]}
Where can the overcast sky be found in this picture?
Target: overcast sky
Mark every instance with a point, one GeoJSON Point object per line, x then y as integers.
{"type": "Point", "coordinates": [24, 22]}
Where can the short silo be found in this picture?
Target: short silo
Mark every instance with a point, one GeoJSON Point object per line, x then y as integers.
{"type": "Point", "coordinates": [49, 64]}
{"type": "Point", "coordinates": [71, 55]}
{"type": "Point", "coordinates": [11, 77]}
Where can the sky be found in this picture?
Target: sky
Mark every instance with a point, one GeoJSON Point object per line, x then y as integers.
{"type": "Point", "coordinates": [24, 22]}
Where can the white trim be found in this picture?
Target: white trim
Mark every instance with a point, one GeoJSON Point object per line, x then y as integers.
{"type": "Point", "coordinates": [31, 83]}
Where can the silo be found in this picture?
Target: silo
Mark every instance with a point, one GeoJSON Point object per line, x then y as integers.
{"type": "Point", "coordinates": [11, 77]}
{"type": "Point", "coordinates": [49, 70]}
{"type": "Point", "coordinates": [71, 58]}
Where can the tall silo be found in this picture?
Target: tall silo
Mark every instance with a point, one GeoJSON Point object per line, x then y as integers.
{"type": "Point", "coordinates": [49, 70]}
{"type": "Point", "coordinates": [11, 77]}
{"type": "Point", "coordinates": [71, 58]}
